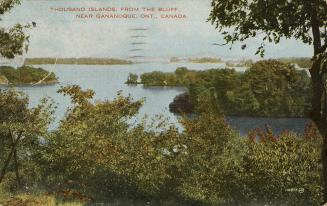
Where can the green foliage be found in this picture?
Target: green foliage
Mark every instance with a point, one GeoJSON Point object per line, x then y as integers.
{"type": "Point", "coordinates": [7, 5]}
{"type": "Point", "coordinates": [27, 75]}
{"type": "Point", "coordinates": [305, 21]}
{"type": "Point", "coordinates": [283, 170]}
{"type": "Point", "coordinates": [279, 89]}
{"type": "Point", "coordinates": [136, 162]}
{"type": "Point", "coordinates": [21, 131]}
{"type": "Point", "coordinates": [132, 79]}
{"type": "Point", "coordinates": [12, 41]}
{"type": "Point", "coordinates": [265, 169]}
{"type": "Point", "coordinates": [181, 77]}
{"type": "Point", "coordinates": [267, 88]}
{"type": "Point", "coordinates": [97, 153]}
{"type": "Point", "coordinates": [206, 147]}
{"type": "Point", "coordinates": [95, 146]}
{"type": "Point", "coordinates": [158, 79]}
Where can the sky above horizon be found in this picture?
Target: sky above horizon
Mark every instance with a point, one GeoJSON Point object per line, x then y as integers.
{"type": "Point", "coordinates": [61, 34]}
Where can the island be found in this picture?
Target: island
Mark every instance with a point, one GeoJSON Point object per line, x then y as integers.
{"type": "Point", "coordinates": [268, 88]}
{"type": "Point", "coordinates": [79, 61]}
{"type": "Point", "coordinates": [132, 79]}
{"type": "Point", "coordinates": [25, 76]}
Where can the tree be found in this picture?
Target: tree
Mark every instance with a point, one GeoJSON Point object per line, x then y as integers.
{"type": "Point", "coordinates": [283, 169]}
{"type": "Point", "coordinates": [12, 40]}
{"type": "Point", "coordinates": [280, 89]}
{"type": "Point", "coordinates": [132, 78]}
{"type": "Point", "coordinates": [206, 162]}
{"type": "Point", "coordinates": [97, 145]}
{"type": "Point", "coordinates": [20, 127]}
{"type": "Point", "coordinates": [272, 20]}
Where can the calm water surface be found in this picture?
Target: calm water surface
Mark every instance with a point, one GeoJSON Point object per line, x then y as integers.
{"type": "Point", "coordinates": [107, 80]}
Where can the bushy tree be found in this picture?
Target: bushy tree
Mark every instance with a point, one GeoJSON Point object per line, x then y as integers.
{"type": "Point", "coordinates": [132, 79]}
{"type": "Point", "coordinates": [21, 129]}
{"type": "Point", "coordinates": [283, 170]}
{"type": "Point", "coordinates": [279, 88]}
{"type": "Point", "coordinates": [96, 146]}
{"type": "Point", "coordinates": [205, 148]}
{"type": "Point", "coordinates": [225, 169]}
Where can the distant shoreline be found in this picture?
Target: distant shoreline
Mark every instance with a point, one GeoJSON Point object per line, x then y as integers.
{"type": "Point", "coordinates": [77, 61]}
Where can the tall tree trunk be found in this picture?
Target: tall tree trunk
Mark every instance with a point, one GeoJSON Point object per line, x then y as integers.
{"type": "Point", "coordinates": [318, 109]}
{"type": "Point", "coordinates": [5, 166]}
{"type": "Point", "coordinates": [17, 169]}
{"type": "Point", "coordinates": [16, 162]}
{"type": "Point", "coordinates": [324, 163]}
{"type": "Point", "coordinates": [318, 112]}
{"type": "Point", "coordinates": [10, 155]}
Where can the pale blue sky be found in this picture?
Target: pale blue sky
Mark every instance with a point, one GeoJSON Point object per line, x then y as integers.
{"type": "Point", "coordinates": [62, 35]}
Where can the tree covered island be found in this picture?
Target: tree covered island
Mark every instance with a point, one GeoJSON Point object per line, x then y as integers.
{"type": "Point", "coordinates": [26, 75]}
{"type": "Point", "coordinates": [268, 88]}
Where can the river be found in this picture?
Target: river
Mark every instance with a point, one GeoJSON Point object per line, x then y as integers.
{"type": "Point", "coordinates": [107, 80]}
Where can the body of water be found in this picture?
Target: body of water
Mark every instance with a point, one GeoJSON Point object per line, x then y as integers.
{"type": "Point", "coordinates": [107, 80]}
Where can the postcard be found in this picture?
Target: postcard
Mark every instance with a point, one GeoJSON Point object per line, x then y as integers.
{"type": "Point", "coordinates": [163, 102]}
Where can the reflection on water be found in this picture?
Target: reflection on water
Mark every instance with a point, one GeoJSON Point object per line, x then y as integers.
{"type": "Point", "coordinates": [107, 80]}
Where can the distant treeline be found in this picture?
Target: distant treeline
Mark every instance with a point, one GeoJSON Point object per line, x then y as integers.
{"type": "Point", "coordinates": [303, 62]}
{"type": "Point", "coordinates": [198, 60]}
{"type": "Point", "coordinates": [205, 60]}
{"type": "Point", "coordinates": [86, 61]}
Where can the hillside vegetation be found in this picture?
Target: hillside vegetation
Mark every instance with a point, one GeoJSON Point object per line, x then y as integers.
{"type": "Point", "coordinates": [98, 155]}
